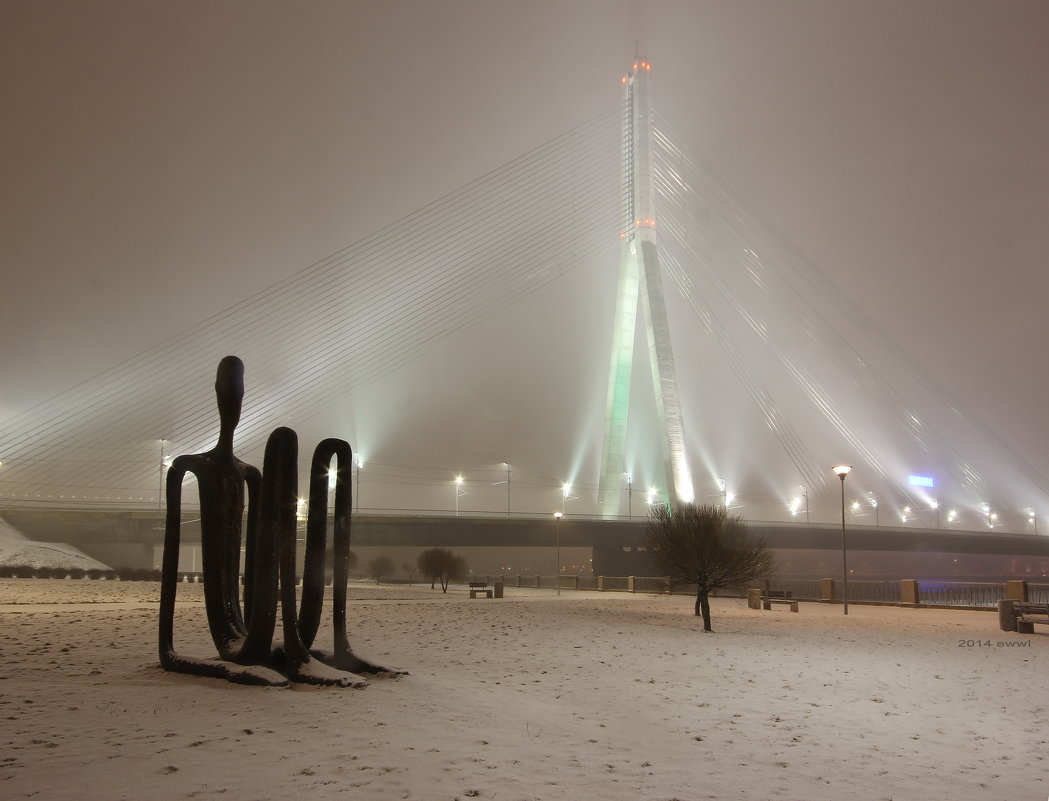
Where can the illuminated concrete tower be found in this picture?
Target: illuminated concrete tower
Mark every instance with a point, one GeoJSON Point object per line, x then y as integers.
{"type": "Point", "coordinates": [640, 282]}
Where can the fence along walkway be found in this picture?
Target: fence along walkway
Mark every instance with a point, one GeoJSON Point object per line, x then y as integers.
{"type": "Point", "coordinates": [908, 592]}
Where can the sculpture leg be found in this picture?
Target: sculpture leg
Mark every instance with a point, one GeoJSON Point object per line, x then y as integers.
{"type": "Point", "coordinates": [279, 500]}
{"type": "Point", "coordinates": [344, 657]}
{"type": "Point", "coordinates": [169, 658]}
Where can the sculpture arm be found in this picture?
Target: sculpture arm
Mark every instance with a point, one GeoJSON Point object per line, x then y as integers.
{"type": "Point", "coordinates": [169, 569]}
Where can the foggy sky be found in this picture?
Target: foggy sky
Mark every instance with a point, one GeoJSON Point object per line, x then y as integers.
{"type": "Point", "coordinates": [163, 160]}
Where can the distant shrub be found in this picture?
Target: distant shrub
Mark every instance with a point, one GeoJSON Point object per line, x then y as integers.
{"type": "Point", "coordinates": [77, 573]}
{"type": "Point", "coordinates": [94, 573]}
{"type": "Point", "coordinates": [23, 571]}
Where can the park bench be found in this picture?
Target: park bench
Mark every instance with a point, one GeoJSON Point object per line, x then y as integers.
{"type": "Point", "coordinates": [770, 597]}
{"type": "Point", "coordinates": [1021, 616]}
{"type": "Point", "coordinates": [478, 587]}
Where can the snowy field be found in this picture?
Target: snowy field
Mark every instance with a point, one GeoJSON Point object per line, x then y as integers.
{"type": "Point", "coordinates": [586, 696]}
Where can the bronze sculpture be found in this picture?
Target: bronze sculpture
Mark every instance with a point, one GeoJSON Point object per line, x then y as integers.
{"type": "Point", "coordinates": [243, 637]}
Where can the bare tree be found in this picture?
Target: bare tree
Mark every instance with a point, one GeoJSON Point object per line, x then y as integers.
{"type": "Point", "coordinates": [410, 569]}
{"type": "Point", "coordinates": [380, 566]}
{"type": "Point", "coordinates": [705, 546]}
{"type": "Point", "coordinates": [442, 565]}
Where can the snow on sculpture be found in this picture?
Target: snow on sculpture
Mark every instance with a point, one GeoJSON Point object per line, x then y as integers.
{"type": "Point", "coordinates": [244, 636]}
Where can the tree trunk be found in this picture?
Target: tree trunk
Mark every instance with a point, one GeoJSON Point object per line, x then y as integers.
{"type": "Point", "coordinates": [703, 608]}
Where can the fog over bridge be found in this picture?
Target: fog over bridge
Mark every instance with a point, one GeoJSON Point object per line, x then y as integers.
{"type": "Point", "coordinates": [745, 381]}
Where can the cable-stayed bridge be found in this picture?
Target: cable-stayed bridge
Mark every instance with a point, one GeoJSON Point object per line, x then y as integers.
{"type": "Point", "coordinates": [777, 374]}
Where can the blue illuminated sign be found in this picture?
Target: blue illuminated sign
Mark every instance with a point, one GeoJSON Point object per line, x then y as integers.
{"type": "Point", "coordinates": [921, 481]}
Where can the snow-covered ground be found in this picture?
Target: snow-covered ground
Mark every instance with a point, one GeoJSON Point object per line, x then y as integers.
{"type": "Point", "coordinates": [586, 696]}
{"type": "Point", "coordinates": [15, 549]}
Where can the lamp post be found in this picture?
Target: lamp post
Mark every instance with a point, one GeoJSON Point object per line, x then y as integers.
{"type": "Point", "coordinates": [629, 496]}
{"type": "Point", "coordinates": [160, 488]}
{"type": "Point", "coordinates": [507, 489]}
{"type": "Point", "coordinates": [359, 462]}
{"type": "Point", "coordinates": [841, 471]}
{"type": "Point", "coordinates": [566, 490]}
{"type": "Point", "coordinates": [458, 492]}
{"type": "Point", "coordinates": [557, 528]}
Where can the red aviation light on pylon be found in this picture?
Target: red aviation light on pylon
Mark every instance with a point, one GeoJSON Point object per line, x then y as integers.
{"type": "Point", "coordinates": [647, 222]}
{"type": "Point", "coordinates": [623, 79]}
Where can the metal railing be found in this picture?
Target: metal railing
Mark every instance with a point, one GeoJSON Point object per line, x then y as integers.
{"type": "Point", "coordinates": [970, 594]}
{"type": "Point", "coordinates": [960, 593]}
{"type": "Point", "coordinates": [1038, 593]}
{"type": "Point", "coordinates": [801, 589]}
{"type": "Point", "coordinates": [875, 592]}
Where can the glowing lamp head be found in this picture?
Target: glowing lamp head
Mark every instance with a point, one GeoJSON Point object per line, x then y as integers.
{"type": "Point", "coordinates": [558, 515]}
{"type": "Point", "coordinates": [842, 470]}
{"type": "Point", "coordinates": [459, 480]}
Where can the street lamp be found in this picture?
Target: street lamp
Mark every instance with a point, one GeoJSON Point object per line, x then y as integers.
{"type": "Point", "coordinates": [160, 488]}
{"type": "Point", "coordinates": [841, 471]}
{"type": "Point", "coordinates": [557, 527]}
{"type": "Point", "coordinates": [359, 462]}
{"type": "Point", "coordinates": [458, 492]}
{"type": "Point", "coordinates": [629, 496]}
{"type": "Point", "coordinates": [507, 489]}
{"type": "Point", "coordinates": [566, 490]}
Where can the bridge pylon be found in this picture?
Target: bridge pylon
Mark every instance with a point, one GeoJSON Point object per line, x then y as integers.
{"type": "Point", "coordinates": [641, 289]}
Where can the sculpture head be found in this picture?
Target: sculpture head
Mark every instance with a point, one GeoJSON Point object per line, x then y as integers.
{"type": "Point", "coordinates": [229, 392]}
